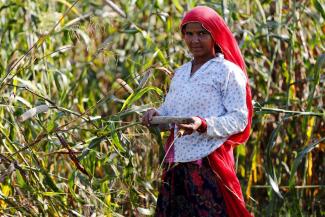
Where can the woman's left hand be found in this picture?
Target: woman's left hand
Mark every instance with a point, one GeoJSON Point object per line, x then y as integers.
{"type": "Point", "coordinates": [190, 128]}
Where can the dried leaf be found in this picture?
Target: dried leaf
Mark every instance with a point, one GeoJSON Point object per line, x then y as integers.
{"type": "Point", "coordinates": [32, 112]}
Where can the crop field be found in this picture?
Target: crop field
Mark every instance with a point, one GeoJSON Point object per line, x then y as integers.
{"type": "Point", "coordinates": [76, 76]}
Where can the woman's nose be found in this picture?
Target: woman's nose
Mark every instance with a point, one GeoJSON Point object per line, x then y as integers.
{"type": "Point", "coordinates": [195, 38]}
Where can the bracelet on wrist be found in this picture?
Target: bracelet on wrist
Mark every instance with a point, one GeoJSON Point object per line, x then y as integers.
{"type": "Point", "coordinates": [203, 127]}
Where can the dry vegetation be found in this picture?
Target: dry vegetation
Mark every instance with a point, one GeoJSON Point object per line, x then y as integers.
{"type": "Point", "coordinates": [84, 71]}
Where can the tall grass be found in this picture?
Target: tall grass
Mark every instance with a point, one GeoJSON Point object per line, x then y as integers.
{"type": "Point", "coordinates": [75, 77]}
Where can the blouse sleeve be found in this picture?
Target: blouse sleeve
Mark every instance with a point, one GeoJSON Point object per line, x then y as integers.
{"type": "Point", "coordinates": [234, 100]}
{"type": "Point", "coordinates": [162, 109]}
{"type": "Point", "coordinates": [166, 105]}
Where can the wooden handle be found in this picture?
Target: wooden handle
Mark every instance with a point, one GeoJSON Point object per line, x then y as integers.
{"type": "Point", "coordinates": [171, 120]}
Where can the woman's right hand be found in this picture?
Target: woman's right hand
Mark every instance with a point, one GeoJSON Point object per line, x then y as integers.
{"type": "Point", "coordinates": [147, 117]}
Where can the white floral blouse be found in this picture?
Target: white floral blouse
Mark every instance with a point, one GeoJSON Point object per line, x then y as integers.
{"type": "Point", "coordinates": [215, 92]}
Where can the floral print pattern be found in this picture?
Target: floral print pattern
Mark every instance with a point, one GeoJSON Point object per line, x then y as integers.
{"type": "Point", "coordinates": [215, 92]}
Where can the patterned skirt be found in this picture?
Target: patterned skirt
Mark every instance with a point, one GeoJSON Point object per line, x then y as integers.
{"type": "Point", "coordinates": [189, 190]}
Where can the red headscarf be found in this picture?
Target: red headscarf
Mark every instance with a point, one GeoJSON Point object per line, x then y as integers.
{"type": "Point", "coordinates": [223, 37]}
{"type": "Point", "coordinates": [222, 160]}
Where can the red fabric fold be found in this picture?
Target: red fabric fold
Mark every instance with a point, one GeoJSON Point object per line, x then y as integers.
{"type": "Point", "coordinates": [203, 128]}
{"type": "Point", "coordinates": [168, 148]}
{"type": "Point", "coordinates": [222, 163]}
{"type": "Point", "coordinates": [222, 160]}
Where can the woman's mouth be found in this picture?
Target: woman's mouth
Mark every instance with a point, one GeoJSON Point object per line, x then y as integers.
{"type": "Point", "coordinates": [196, 48]}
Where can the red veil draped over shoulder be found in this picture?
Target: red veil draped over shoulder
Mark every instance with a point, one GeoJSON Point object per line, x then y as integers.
{"type": "Point", "coordinates": [222, 159]}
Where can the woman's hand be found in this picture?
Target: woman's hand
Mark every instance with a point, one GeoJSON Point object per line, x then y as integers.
{"type": "Point", "coordinates": [190, 128]}
{"type": "Point", "coordinates": [147, 117]}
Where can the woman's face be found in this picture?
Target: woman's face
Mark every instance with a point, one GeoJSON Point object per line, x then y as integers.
{"type": "Point", "coordinates": [198, 40]}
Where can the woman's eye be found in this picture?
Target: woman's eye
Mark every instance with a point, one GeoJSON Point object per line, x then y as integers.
{"type": "Point", "coordinates": [203, 33]}
{"type": "Point", "coordinates": [188, 33]}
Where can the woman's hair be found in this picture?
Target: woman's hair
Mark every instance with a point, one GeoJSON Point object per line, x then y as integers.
{"type": "Point", "coordinates": [217, 49]}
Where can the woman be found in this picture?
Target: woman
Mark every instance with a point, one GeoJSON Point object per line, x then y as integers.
{"type": "Point", "coordinates": [199, 177]}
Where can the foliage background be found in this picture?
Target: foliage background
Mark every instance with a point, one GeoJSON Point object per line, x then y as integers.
{"type": "Point", "coordinates": [90, 68]}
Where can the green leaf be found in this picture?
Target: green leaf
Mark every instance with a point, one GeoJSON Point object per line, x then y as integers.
{"type": "Point", "coordinates": [51, 193]}
{"type": "Point", "coordinates": [20, 180]}
{"type": "Point", "coordinates": [115, 138]}
{"type": "Point", "coordinates": [161, 56]}
{"type": "Point", "coordinates": [178, 5]}
{"type": "Point", "coordinates": [317, 71]}
{"type": "Point", "coordinates": [48, 181]}
{"type": "Point", "coordinates": [271, 143]}
{"type": "Point", "coordinates": [299, 158]}
{"type": "Point", "coordinates": [71, 184]}
{"type": "Point", "coordinates": [52, 123]}
{"type": "Point", "coordinates": [319, 8]}
{"type": "Point", "coordinates": [94, 143]}
{"type": "Point", "coordinates": [137, 95]}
